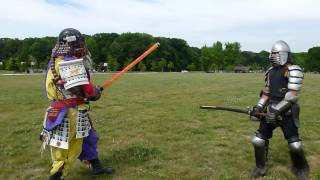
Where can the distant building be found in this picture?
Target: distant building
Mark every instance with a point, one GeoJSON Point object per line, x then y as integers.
{"type": "Point", "coordinates": [242, 69]}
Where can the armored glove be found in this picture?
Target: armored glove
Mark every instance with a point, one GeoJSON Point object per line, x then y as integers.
{"type": "Point", "coordinates": [91, 92]}
{"type": "Point", "coordinates": [272, 116]}
{"type": "Point", "coordinates": [256, 111]}
{"type": "Point", "coordinates": [97, 94]}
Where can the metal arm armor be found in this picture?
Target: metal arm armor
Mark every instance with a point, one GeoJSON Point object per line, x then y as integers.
{"type": "Point", "coordinates": [295, 78]}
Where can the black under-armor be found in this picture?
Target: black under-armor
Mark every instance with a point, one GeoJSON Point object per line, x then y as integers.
{"type": "Point", "coordinates": [278, 83]}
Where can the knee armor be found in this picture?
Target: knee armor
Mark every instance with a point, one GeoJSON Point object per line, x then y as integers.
{"type": "Point", "coordinates": [258, 142]}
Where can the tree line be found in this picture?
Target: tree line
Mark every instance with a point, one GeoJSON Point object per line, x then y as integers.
{"type": "Point", "coordinates": [174, 54]}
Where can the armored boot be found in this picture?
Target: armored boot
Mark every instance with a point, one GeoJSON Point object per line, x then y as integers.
{"type": "Point", "coordinates": [56, 176]}
{"type": "Point", "coordinates": [98, 169]}
{"type": "Point", "coordinates": [260, 151]}
{"type": "Point", "coordinates": [300, 167]}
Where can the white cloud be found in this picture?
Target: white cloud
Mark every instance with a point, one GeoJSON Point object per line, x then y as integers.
{"type": "Point", "coordinates": [255, 24]}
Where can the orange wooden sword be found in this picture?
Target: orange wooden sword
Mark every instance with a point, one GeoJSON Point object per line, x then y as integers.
{"type": "Point", "coordinates": [131, 65]}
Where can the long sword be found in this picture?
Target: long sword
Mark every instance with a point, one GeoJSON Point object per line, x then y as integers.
{"type": "Point", "coordinates": [243, 111]}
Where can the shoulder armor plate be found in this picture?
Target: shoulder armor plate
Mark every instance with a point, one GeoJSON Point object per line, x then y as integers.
{"type": "Point", "coordinates": [294, 67]}
{"type": "Point", "coordinates": [295, 74]}
{"type": "Point", "coordinates": [295, 71]}
{"type": "Point", "coordinates": [295, 77]}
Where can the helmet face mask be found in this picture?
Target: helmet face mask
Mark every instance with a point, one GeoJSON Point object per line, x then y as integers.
{"type": "Point", "coordinates": [278, 58]}
{"type": "Point", "coordinates": [279, 54]}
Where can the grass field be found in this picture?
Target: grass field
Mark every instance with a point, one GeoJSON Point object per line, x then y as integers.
{"type": "Point", "coordinates": [151, 127]}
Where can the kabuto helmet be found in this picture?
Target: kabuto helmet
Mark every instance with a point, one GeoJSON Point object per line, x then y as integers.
{"type": "Point", "coordinates": [280, 53]}
{"type": "Point", "coordinates": [70, 42]}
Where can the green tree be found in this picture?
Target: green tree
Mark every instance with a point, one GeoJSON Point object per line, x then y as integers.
{"type": "Point", "coordinates": [217, 55]}
{"type": "Point", "coordinates": [300, 58]}
{"type": "Point", "coordinates": [142, 67]}
{"type": "Point", "coordinates": [191, 67]}
{"type": "Point", "coordinates": [263, 58]}
{"type": "Point", "coordinates": [312, 62]}
{"type": "Point", "coordinates": [232, 54]}
{"type": "Point", "coordinates": [170, 66]}
{"type": "Point", "coordinates": [155, 66]}
{"type": "Point", "coordinates": [206, 59]}
{"type": "Point", "coordinates": [127, 62]}
{"type": "Point", "coordinates": [162, 64]}
{"type": "Point", "coordinates": [12, 64]}
{"type": "Point", "coordinates": [113, 65]}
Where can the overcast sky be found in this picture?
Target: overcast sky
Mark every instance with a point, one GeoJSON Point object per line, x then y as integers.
{"type": "Point", "coordinates": [256, 24]}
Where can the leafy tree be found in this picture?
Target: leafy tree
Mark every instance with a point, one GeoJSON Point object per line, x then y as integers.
{"type": "Point", "coordinates": [300, 58]}
{"type": "Point", "coordinates": [191, 67]}
{"type": "Point", "coordinates": [170, 66]}
{"type": "Point", "coordinates": [218, 55]}
{"type": "Point", "coordinates": [312, 62]}
{"type": "Point", "coordinates": [232, 54]}
{"type": "Point", "coordinates": [113, 65]}
{"type": "Point", "coordinates": [206, 59]}
{"type": "Point", "coordinates": [258, 60]}
{"type": "Point", "coordinates": [127, 62]}
{"type": "Point", "coordinates": [162, 64]}
{"type": "Point", "coordinates": [12, 64]}
{"type": "Point", "coordinates": [141, 66]}
{"type": "Point", "coordinates": [263, 58]}
{"type": "Point", "coordinates": [155, 66]}
{"type": "Point", "coordinates": [173, 54]}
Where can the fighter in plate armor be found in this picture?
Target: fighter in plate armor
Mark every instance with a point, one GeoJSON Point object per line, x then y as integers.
{"type": "Point", "coordinates": [67, 127]}
{"type": "Point", "coordinates": [279, 98]}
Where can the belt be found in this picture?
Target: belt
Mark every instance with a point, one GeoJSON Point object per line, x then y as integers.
{"type": "Point", "coordinates": [72, 102]}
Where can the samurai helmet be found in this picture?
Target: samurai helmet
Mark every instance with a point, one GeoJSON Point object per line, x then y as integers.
{"type": "Point", "coordinates": [70, 42]}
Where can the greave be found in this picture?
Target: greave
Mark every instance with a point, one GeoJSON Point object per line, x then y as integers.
{"type": "Point", "coordinates": [260, 156]}
{"type": "Point", "coordinates": [298, 160]}
{"type": "Point", "coordinates": [300, 166]}
{"type": "Point", "coordinates": [260, 151]}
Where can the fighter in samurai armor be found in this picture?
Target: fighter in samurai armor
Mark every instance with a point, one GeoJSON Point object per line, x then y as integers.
{"type": "Point", "coordinates": [67, 127]}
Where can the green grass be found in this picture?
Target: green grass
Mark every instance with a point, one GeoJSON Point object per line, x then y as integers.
{"type": "Point", "coordinates": [150, 127]}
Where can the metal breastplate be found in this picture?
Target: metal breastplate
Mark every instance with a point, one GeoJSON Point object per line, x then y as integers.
{"type": "Point", "coordinates": [278, 82]}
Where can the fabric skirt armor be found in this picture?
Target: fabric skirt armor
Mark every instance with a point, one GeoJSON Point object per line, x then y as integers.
{"type": "Point", "coordinates": [66, 139]}
{"type": "Point", "coordinates": [59, 136]}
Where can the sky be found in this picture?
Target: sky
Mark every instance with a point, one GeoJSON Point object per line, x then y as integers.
{"type": "Point", "coordinates": [255, 24]}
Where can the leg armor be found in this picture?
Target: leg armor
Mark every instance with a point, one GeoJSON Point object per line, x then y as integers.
{"type": "Point", "coordinates": [260, 150]}
{"type": "Point", "coordinates": [300, 167]}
